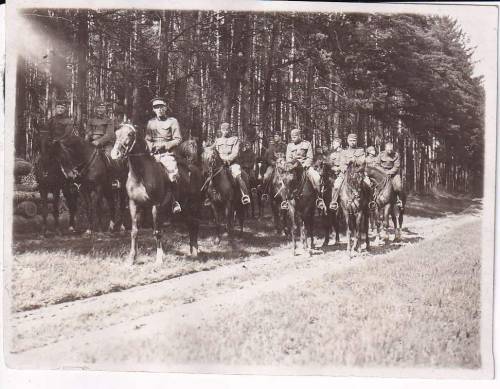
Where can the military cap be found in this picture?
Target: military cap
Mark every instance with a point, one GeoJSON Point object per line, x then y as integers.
{"type": "Point", "coordinates": [370, 149]}
{"type": "Point", "coordinates": [352, 136]}
{"type": "Point", "coordinates": [295, 131]}
{"type": "Point", "coordinates": [158, 101]}
{"type": "Point", "coordinates": [101, 103]}
{"type": "Point", "coordinates": [225, 126]}
{"type": "Point", "coordinates": [337, 139]}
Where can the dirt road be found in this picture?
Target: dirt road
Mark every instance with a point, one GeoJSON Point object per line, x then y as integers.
{"type": "Point", "coordinates": [203, 318]}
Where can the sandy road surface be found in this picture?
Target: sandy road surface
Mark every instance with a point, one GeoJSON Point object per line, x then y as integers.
{"type": "Point", "coordinates": [89, 332]}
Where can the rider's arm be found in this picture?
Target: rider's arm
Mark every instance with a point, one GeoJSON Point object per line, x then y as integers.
{"type": "Point", "coordinates": [109, 136]}
{"type": "Point", "coordinates": [234, 151]}
{"type": "Point", "coordinates": [289, 156]}
{"type": "Point", "coordinates": [309, 157]}
{"type": "Point", "coordinates": [176, 136]}
{"type": "Point", "coordinates": [149, 136]}
{"type": "Point", "coordinates": [395, 167]}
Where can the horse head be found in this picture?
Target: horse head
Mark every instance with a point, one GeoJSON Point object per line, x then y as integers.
{"type": "Point", "coordinates": [126, 138]}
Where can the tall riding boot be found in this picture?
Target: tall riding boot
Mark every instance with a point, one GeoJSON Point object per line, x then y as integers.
{"type": "Point", "coordinates": [245, 199]}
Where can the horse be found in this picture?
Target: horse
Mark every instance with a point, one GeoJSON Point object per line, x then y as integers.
{"type": "Point", "coordinates": [256, 180]}
{"type": "Point", "coordinates": [50, 179]}
{"type": "Point", "coordinates": [329, 217]}
{"type": "Point", "coordinates": [89, 167]}
{"type": "Point", "coordinates": [148, 185]}
{"type": "Point", "coordinates": [354, 199]}
{"type": "Point", "coordinates": [299, 201]}
{"type": "Point", "coordinates": [223, 195]}
{"type": "Point", "coordinates": [384, 199]}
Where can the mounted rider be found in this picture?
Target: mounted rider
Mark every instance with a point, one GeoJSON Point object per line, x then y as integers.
{"type": "Point", "coordinates": [300, 151]}
{"type": "Point", "coordinates": [276, 146]}
{"type": "Point", "coordinates": [334, 159]}
{"type": "Point", "coordinates": [228, 148]}
{"type": "Point", "coordinates": [390, 162]}
{"type": "Point", "coordinates": [352, 155]}
{"type": "Point", "coordinates": [247, 158]}
{"type": "Point", "coordinates": [371, 157]}
{"type": "Point", "coordinates": [163, 135]}
{"type": "Point", "coordinates": [100, 129]}
{"type": "Point", "coordinates": [57, 127]}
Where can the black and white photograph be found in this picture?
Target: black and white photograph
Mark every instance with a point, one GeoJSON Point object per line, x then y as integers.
{"type": "Point", "coordinates": [264, 188]}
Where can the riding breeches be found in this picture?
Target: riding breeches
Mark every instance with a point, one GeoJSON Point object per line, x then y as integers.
{"type": "Point", "coordinates": [396, 183]}
{"type": "Point", "coordinates": [315, 178]}
{"type": "Point", "coordinates": [268, 173]}
{"type": "Point", "coordinates": [168, 160]}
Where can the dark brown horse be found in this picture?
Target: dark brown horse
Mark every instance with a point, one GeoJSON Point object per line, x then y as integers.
{"type": "Point", "coordinates": [256, 179]}
{"type": "Point", "coordinates": [354, 197]}
{"type": "Point", "coordinates": [148, 185]}
{"type": "Point", "coordinates": [50, 179]}
{"type": "Point", "coordinates": [298, 202]}
{"type": "Point", "coordinates": [329, 217]}
{"type": "Point", "coordinates": [90, 168]}
{"type": "Point", "coordinates": [384, 203]}
{"type": "Point", "coordinates": [222, 192]}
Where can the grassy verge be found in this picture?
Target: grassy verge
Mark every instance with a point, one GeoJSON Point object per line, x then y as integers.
{"type": "Point", "coordinates": [419, 307]}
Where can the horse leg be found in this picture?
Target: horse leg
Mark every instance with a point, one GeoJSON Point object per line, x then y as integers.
{"type": "Point", "coordinates": [133, 232]}
{"type": "Point", "coordinates": [194, 226]}
{"type": "Point", "coordinates": [43, 197]}
{"type": "Point", "coordinates": [240, 214]}
{"type": "Point", "coordinates": [55, 212]}
{"type": "Point", "coordinates": [123, 206]}
{"type": "Point", "coordinates": [71, 201]}
{"type": "Point", "coordinates": [276, 216]}
{"type": "Point", "coordinates": [387, 209]}
{"type": "Point", "coordinates": [325, 218]}
{"type": "Point", "coordinates": [109, 194]}
{"type": "Point", "coordinates": [157, 235]}
{"type": "Point", "coordinates": [348, 235]}
{"type": "Point", "coordinates": [366, 227]}
{"type": "Point", "coordinates": [217, 224]}
{"type": "Point", "coordinates": [88, 206]}
{"type": "Point", "coordinates": [309, 229]}
{"type": "Point", "coordinates": [293, 227]}
{"type": "Point", "coordinates": [336, 225]}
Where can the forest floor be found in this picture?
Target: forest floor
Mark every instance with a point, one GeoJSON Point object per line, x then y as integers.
{"type": "Point", "coordinates": [414, 303]}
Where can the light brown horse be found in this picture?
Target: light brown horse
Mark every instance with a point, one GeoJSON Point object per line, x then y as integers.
{"type": "Point", "coordinates": [148, 184]}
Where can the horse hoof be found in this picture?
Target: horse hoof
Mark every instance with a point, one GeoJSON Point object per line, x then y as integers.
{"type": "Point", "coordinates": [122, 228]}
{"type": "Point", "coordinates": [194, 252]}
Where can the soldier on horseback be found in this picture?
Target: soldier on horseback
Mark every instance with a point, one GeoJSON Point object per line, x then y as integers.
{"type": "Point", "coordinates": [355, 156]}
{"type": "Point", "coordinates": [163, 135]}
{"type": "Point", "coordinates": [300, 151]}
{"type": "Point", "coordinates": [228, 148]}
{"type": "Point", "coordinates": [247, 159]}
{"type": "Point", "coordinates": [276, 145]}
{"type": "Point", "coordinates": [57, 127]}
{"type": "Point", "coordinates": [100, 129]}
{"type": "Point", "coordinates": [335, 156]}
{"type": "Point", "coordinates": [389, 161]}
{"type": "Point", "coordinates": [371, 157]}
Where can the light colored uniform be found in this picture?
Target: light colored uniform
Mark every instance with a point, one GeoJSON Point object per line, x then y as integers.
{"type": "Point", "coordinates": [357, 157]}
{"type": "Point", "coordinates": [165, 134]}
{"type": "Point", "coordinates": [228, 149]}
{"type": "Point", "coordinates": [302, 153]}
{"type": "Point", "coordinates": [391, 164]}
{"type": "Point", "coordinates": [334, 160]}
{"type": "Point", "coordinates": [270, 157]}
{"type": "Point", "coordinates": [372, 161]}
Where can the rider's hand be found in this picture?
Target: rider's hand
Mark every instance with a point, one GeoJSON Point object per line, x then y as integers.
{"type": "Point", "coordinates": [95, 143]}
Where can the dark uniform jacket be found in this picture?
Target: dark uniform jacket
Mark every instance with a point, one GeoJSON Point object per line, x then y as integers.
{"type": "Point", "coordinates": [247, 159]}
{"type": "Point", "coordinates": [101, 130]}
{"type": "Point", "coordinates": [335, 160]}
{"type": "Point", "coordinates": [55, 128]}
{"type": "Point", "coordinates": [163, 134]}
{"type": "Point", "coordinates": [270, 154]}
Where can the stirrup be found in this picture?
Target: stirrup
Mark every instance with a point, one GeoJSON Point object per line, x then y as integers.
{"type": "Point", "coordinates": [245, 199]}
{"type": "Point", "coordinates": [320, 204]}
{"type": "Point", "coordinates": [176, 207]}
{"type": "Point", "coordinates": [254, 191]}
{"type": "Point", "coordinates": [264, 197]}
{"type": "Point", "coordinates": [334, 205]}
{"type": "Point", "coordinates": [284, 205]}
{"type": "Point", "coordinates": [116, 184]}
{"type": "Point", "coordinates": [207, 202]}
{"type": "Point", "coordinates": [372, 205]}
